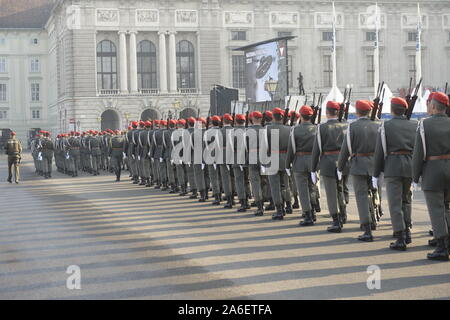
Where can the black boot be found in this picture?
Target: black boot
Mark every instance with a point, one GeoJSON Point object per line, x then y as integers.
{"type": "Point", "coordinates": [202, 196]}
{"type": "Point", "coordinates": [217, 199]}
{"type": "Point", "coordinates": [441, 252]}
{"type": "Point", "coordinates": [172, 189]}
{"type": "Point", "coordinates": [260, 211]}
{"type": "Point", "coordinates": [253, 204]}
{"type": "Point", "coordinates": [183, 190]}
{"type": "Point", "coordinates": [296, 203]}
{"type": "Point", "coordinates": [194, 194]}
{"type": "Point", "coordinates": [400, 244]}
{"type": "Point", "coordinates": [247, 205]}
{"type": "Point", "coordinates": [165, 187]}
{"type": "Point", "coordinates": [336, 227]}
{"type": "Point", "coordinates": [432, 243]}
{"type": "Point", "coordinates": [143, 182]}
{"type": "Point", "coordinates": [148, 184]}
{"type": "Point", "coordinates": [279, 215]}
{"type": "Point", "coordinates": [271, 206]}
{"type": "Point", "coordinates": [367, 235]}
{"type": "Point", "coordinates": [308, 221]}
{"type": "Point", "coordinates": [135, 180]}
{"type": "Point", "coordinates": [229, 203]}
{"type": "Point", "coordinates": [289, 208]}
{"type": "Point", "coordinates": [313, 216]}
{"type": "Point", "coordinates": [317, 207]}
{"type": "Point", "coordinates": [408, 239]}
{"type": "Point", "coordinates": [343, 214]}
{"type": "Point", "coordinates": [242, 208]}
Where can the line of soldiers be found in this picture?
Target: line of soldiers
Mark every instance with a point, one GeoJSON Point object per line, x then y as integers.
{"type": "Point", "coordinates": [171, 156]}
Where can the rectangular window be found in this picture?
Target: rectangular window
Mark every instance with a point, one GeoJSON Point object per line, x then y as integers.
{"type": "Point", "coordinates": [3, 115]}
{"type": "Point", "coordinates": [327, 36]}
{"type": "Point", "coordinates": [3, 92]}
{"type": "Point", "coordinates": [34, 41]}
{"type": "Point", "coordinates": [412, 66]}
{"type": "Point", "coordinates": [3, 65]}
{"type": "Point", "coordinates": [412, 36]}
{"type": "Point", "coordinates": [238, 35]}
{"type": "Point", "coordinates": [35, 114]}
{"type": "Point", "coordinates": [238, 72]}
{"type": "Point", "coordinates": [35, 65]}
{"type": "Point", "coordinates": [35, 92]}
{"type": "Point", "coordinates": [327, 71]}
{"type": "Point", "coordinates": [371, 36]}
{"type": "Point", "coordinates": [370, 70]}
{"type": "Point", "coordinates": [284, 34]}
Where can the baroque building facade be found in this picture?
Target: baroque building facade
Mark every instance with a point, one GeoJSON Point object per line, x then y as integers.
{"type": "Point", "coordinates": [108, 62]}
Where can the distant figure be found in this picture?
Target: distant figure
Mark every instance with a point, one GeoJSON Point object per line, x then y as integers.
{"type": "Point", "coordinates": [13, 149]}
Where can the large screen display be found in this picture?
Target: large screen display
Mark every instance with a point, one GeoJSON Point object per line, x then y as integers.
{"type": "Point", "coordinates": [266, 71]}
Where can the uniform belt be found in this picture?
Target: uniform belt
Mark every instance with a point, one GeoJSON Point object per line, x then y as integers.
{"type": "Point", "coordinates": [279, 151]}
{"type": "Point", "coordinates": [403, 152]}
{"type": "Point", "coordinates": [117, 148]}
{"type": "Point", "coordinates": [443, 157]}
{"type": "Point", "coordinates": [95, 148]}
{"type": "Point", "coordinates": [330, 153]}
{"type": "Point", "coordinates": [363, 154]}
{"type": "Point", "coordinates": [303, 153]}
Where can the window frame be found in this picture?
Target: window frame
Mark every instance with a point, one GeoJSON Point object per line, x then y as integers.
{"type": "Point", "coordinates": [153, 65]}
{"type": "Point", "coordinates": [35, 62]}
{"type": "Point", "coordinates": [327, 72]}
{"type": "Point", "coordinates": [103, 57]}
{"type": "Point", "coordinates": [5, 64]}
{"type": "Point", "coordinates": [238, 32]}
{"type": "Point", "coordinates": [35, 114]}
{"type": "Point", "coordinates": [35, 90]}
{"type": "Point", "coordinates": [4, 94]}
{"type": "Point", "coordinates": [191, 72]}
{"type": "Point", "coordinates": [370, 70]}
{"type": "Point", "coordinates": [238, 71]}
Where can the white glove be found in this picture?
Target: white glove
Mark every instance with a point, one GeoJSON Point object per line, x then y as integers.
{"type": "Point", "coordinates": [288, 172]}
{"type": "Point", "coordinates": [133, 156]}
{"type": "Point", "coordinates": [181, 161]}
{"type": "Point", "coordinates": [228, 167]}
{"type": "Point", "coordinates": [124, 155]}
{"type": "Point", "coordinates": [215, 166]}
{"type": "Point", "coordinates": [171, 162]}
{"type": "Point", "coordinates": [161, 160]}
{"type": "Point", "coordinates": [203, 166]}
{"type": "Point", "coordinates": [67, 156]}
{"type": "Point", "coordinates": [242, 168]}
{"type": "Point", "coordinates": [263, 169]}
{"type": "Point", "coordinates": [314, 177]}
{"type": "Point", "coordinates": [139, 158]}
{"type": "Point", "coordinates": [374, 183]}
{"type": "Point", "coordinates": [339, 175]}
{"type": "Point", "coordinates": [415, 186]}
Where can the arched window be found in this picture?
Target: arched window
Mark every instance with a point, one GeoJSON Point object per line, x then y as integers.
{"type": "Point", "coordinates": [106, 65]}
{"type": "Point", "coordinates": [146, 63]}
{"type": "Point", "coordinates": [185, 65]}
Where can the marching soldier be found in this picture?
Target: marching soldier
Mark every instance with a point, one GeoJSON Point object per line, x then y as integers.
{"type": "Point", "coordinates": [327, 146]}
{"type": "Point", "coordinates": [35, 152]}
{"type": "Point", "coordinates": [431, 161]}
{"type": "Point", "coordinates": [46, 150]}
{"type": "Point", "coordinates": [299, 157]}
{"type": "Point", "coordinates": [74, 145]}
{"type": "Point", "coordinates": [179, 166]}
{"type": "Point", "coordinates": [13, 149]}
{"type": "Point", "coordinates": [199, 168]}
{"type": "Point", "coordinates": [188, 147]}
{"type": "Point", "coordinates": [116, 147]}
{"type": "Point", "coordinates": [214, 149]}
{"type": "Point", "coordinates": [168, 156]}
{"type": "Point", "coordinates": [278, 180]}
{"type": "Point", "coordinates": [94, 148]}
{"type": "Point", "coordinates": [161, 169]}
{"type": "Point", "coordinates": [129, 149]}
{"type": "Point", "coordinates": [359, 150]}
{"type": "Point", "coordinates": [393, 156]}
{"type": "Point", "coordinates": [225, 168]}
{"type": "Point", "coordinates": [267, 120]}
{"type": "Point", "coordinates": [240, 167]}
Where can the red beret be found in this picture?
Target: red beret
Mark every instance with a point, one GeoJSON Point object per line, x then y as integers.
{"type": "Point", "coordinates": [163, 123]}
{"type": "Point", "coordinates": [173, 122]}
{"type": "Point", "coordinates": [191, 120]}
{"type": "Point", "coordinates": [141, 123]}
{"type": "Point", "coordinates": [333, 105]}
{"type": "Point", "coordinates": [182, 122]}
{"type": "Point", "coordinates": [278, 111]}
{"type": "Point", "coordinates": [77, 133]}
{"type": "Point", "coordinates": [130, 128]}
{"type": "Point", "coordinates": [441, 97]}
{"type": "Point", "coordinates": [306, 111]}
{"type": "Point", "coordinates": [430, 97]}
{"type": "Point", "coordinates": [240, 117]}
{"type": "Point", "coordinates": [134, 124]}
{"type": "Point", "coordinates": [203, 120]}
{"type": "Point", "coordinates": [257, 115]}
{"type": "Point", "coordinates": [13, 133]}
{"type": "Point", "coordinates": [363, 105]}
{"type": "Point", "coordinates": [215, 118]}
{"type": "Point", "coordinates": [269, 114]}
{"type": "Point", "coordinates": [297, 115]}
{"type": "Point", "coordinates": [399, 101]}
{"type": "Point", "coordinates": [228, 117]}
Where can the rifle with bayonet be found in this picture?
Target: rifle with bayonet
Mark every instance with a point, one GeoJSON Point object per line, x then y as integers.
{"type": "Point", "coordinates": [234, 114]}
{"type": "Point", "coordinates": [380, 106]}
{"type": "Point", "coordinates": [293, 118]}
{"type": "Point", "coordinates": [376, 102]}
{"type": "Point", "coordinates": [247, 115]}
{"type": "Point", "coordinates": [448, 109]}
{"type": "Point", "coordinates": [342, 107]}
{"type": "Point", "coordinates": [412, 102]}
{"type": "Point", "coordinates": [317, 115]}
{"type": "Point", "coordinates": [408, 96]}
{"type": "Point", "coordinates": [347, 104]}
{"type": "Point", "coordinates": [286, 111]}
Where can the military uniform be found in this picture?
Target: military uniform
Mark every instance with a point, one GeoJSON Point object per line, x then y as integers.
{"type": "Point", "coordinates": [299, 153]}
{"type": "Point", "coordinates": [359, 146]}
{"type": "Point", "coordinates": [327, 146]}
{"type": "Point", "coordinates": [116, 145]}
{"type": "Point", "coordinates": [431, 161]}
{"type": "Point", "coordinates": [393, 156]}
{"type": "Point", "coordinates": [74, 144]}
{"type": "Point", "coordinates": [47, 151]}
{"type": "Point", "coordinates": [179, 166]}
{"type": "Point", "coordinates": [213, 148]}
{"type": "Point", "coordinates": [225, 167]}
{"type": "Point", "coordinates": [240, 163]}
{"type": "Point", "coordinates": [13, 149]}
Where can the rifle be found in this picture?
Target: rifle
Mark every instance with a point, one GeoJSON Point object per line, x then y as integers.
{"type": "Point", "coordinates": [293, 114]}
{"type": "Point", "coordinates": [347, 104]}
{"type": "Point", "coordinates": [319, 111]}
{"type": "Point", "coordinates": [234, 113]}
{"type": "Point", "coordinates": [408, 96]}
{"type": "Point", "coordinates": [208, 119]}
{"type": "Point", "coordinates": [412, 102]}
{"type": "Point", "coordinates": [316, 115]}
{"type": "Point", "coordinates": [263, 122]}
{"type": "Point", "coordinates": [342, 107]}
{"type": "Point", "coordinates": [286, 111]}
{"type": "Point", "coordinates": [375, 204]}
{"type": "Point", "coordinates": [380, 107]}
{"type": "Point", "coordinates": [247, 114]}
{"type": "Point", "coordinates": [376, 102]}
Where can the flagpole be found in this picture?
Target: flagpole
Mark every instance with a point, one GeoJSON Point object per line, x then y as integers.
{"type": "Point", "coordinates": [334, 84]}
{"type": "Point", "coordinates": [419, 50]}
{"type": "Point", "coordinates": [376, 53]}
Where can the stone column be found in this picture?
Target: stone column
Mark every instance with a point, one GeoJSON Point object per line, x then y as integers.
{"type": "Point", "coordinates": [123, 62]}
{"type": "Point", "coordinates": [162, 63]}
{"type": "Point", "coordinates": [133, 63]}
{"type": "Point", "coordinates": [172, 63]}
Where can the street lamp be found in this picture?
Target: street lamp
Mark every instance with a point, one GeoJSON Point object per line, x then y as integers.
{"type": "Point", "coordinates": [127, 117]}
{"type": "Point", "coordinates": [271, 87]}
